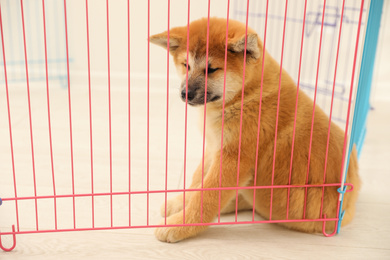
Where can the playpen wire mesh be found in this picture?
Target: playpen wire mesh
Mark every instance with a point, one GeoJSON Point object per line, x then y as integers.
{"type": "Point", "coordinates": [344, 16]}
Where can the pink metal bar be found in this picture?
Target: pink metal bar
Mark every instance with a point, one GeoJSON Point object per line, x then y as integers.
{"type": "Point", "coordinates": [223, 109]}
{"type": "Point", "coordinates": [48, 112]}
{"type": "Point", "coordinates": [324, 226]}
{"type": "Point", "coordinates": [166, 130]}
{"type": "Point", "coordinates": [331, 106]}
{"type": "Point", "coordinates": [181, 190]}
{"type": "Point", "coordinates": [296, 109]}
{"type": "Point", "coordinates": [13, 240]}
{"type": "Point", "coordinates": [277, 110]}
{"type": "Point", "coordinates": [70, 113]}
{"type": "Point", "coordinates": [90, 112]}
{"type": "Point", "coordinates": [259, 119]}
{"type": "Point", "coordinates": [9, 122]}
{"type": "Point", "coordinates": [314, 106]}
{"type": "Point", "coordinates": [242, 106]}
{"type": "Point", "coordinates": [129, 110]}
{"type": "Point", "coordinates": [109, 105]}
{"type": "Point", "coordinates": [176, 225]}
{"type": "Point", "coordinates": [29, 113]}
{"type": "Point", "coordinates": [205, 101]}
{"type": "Point", "coordinates": [185, 119]}
{"type": "Point", "coordinates": [148, 104]}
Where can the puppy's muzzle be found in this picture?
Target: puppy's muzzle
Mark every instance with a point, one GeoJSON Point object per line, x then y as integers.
{"type": "Point", "coordinates": [196, 96]}
{"type": "Point", "coordinates": [190, 94]}
{"type": "Point", "coordinates": [195, 93]}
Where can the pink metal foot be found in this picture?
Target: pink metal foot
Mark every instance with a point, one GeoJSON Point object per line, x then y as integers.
{"type": "Point", "coordinates": [324, 230]}
{"type": "Point", "coordinates": [14, 241]}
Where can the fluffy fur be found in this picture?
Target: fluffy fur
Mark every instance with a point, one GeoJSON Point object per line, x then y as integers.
{"type": "Point", "coordinates": [234, 75]}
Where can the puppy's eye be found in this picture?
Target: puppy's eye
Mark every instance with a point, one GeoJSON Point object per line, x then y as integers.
{"type": "Point", "coordinates": [211, 70]}
{"type": "Point", "coordinates": [185, 66]}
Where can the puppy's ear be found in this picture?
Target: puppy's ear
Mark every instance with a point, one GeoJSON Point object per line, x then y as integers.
{"type": "Point", "coordinates": [161, 39]}
{"type": "Point", "coordinates": [237, 44]}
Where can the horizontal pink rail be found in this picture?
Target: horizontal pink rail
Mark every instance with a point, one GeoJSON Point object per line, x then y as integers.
{"type": "Point", "coordinates": [179, 225]}
{"type": "Point", "coordinates": [181, 190]}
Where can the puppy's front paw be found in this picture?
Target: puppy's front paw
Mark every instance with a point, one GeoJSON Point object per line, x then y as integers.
{"type": "Point", "coordinates": [176, 234]}
{"type": "Point", "coordinates": [167, 234]}
{"type": "Point", "coordinates": [170, 234]}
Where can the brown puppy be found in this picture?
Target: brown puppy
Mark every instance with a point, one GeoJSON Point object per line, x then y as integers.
{"type": "Point", "coordinates": [234, 80]}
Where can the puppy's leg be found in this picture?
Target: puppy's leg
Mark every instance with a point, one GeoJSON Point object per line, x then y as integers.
{"type": "Point", "coordinates": [243, 202]}
{"type": "Point", "coordinates": [175, 204]}
{"type": "Point", "coordinates": [195, 211]}
{"type": "Point", "coordinates": [241, 205]}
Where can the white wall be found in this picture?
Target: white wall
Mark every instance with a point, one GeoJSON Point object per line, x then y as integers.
{"type": "Point", "coordinates": [138, 36]}
{"type": "Point", "coordinates": [381, 80]}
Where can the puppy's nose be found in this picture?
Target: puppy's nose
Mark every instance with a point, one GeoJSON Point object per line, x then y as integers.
{"type": "Point", "coordinates": [190, 95]}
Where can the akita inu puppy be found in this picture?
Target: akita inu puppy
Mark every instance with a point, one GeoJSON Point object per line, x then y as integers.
{"type": "Point", "coordinates": [268, 172]}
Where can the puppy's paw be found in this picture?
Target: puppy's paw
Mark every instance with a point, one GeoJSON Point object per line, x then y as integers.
{"type": "Point", "coordinates": [178, 233]}
{"type": "Point", "coordinates": [167, 234]}
{"type": "Point", "coordinates": [170, 234]}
